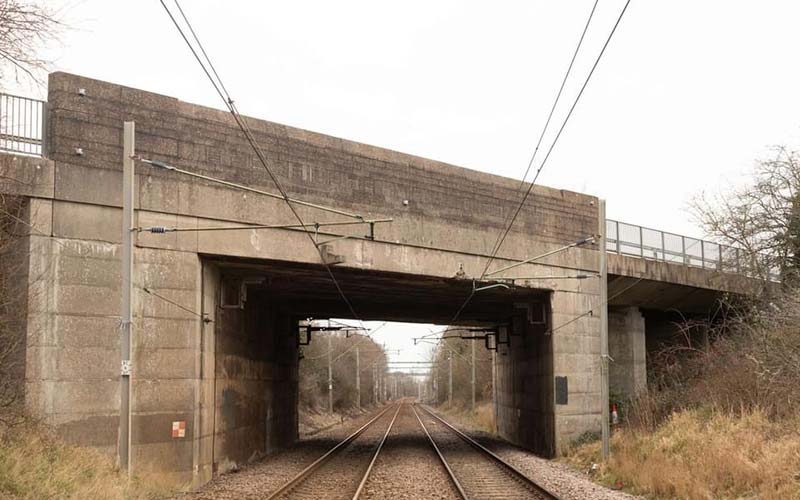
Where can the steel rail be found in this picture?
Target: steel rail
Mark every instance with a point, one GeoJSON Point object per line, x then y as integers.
{"type": "Point", "coordinates": [375, 455]}
{"type": "Point", "coordinates": [303, 474]}
{"type": "Point", "coordinates": [446, 465]}
{"type": "Point", "coordinates": [514, 472]}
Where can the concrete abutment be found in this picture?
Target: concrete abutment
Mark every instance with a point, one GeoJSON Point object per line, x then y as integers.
{"type": "Point", "coordinates": [627, 348]}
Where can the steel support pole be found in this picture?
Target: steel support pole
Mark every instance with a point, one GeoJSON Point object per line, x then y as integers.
{"type": "Point", "coordinates": [358, 380]}
{"type": "Point", "coordinates": [494, 388]}
{"type": "Point", "coordinates": [126, 321]}
{"type": "Point", "coordinates": [473, 376]}
{"type": "Point", "coordinates": [436, 383]}
{"type": "Point", "coordinates": [330, 375]}
{"type": "Point", "coordinates": [606, 431]}
{"type": "Point", "coordinates": [450, 381]}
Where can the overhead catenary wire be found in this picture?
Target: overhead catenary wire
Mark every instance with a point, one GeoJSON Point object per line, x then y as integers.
{"type": "Point", "coordinates": [584, 241]}
{"type": "Point", "coordinates": [544, 161]}
{"type": "Point", "coordinates": [60, 243]}
{"type": "Point", "coordinates": [558, 135]}
{"type": "Point", "coordinates": [245, 129]}
{"type": "Point", "coordinates": [549, 116]}
{"type": "Point", "coordinates": [590, 312]}
{"type": "Point", "coordinates": [165, 229]}
{"type": "Point", "coordinates": [172, 168]}
{"type": "Point", "coordinates": [357, 342]}
{"type": "Point", "coordinates": [179, 306]}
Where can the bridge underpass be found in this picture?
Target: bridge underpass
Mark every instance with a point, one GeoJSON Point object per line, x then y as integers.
{"type": "Point", "coordinates": [260, 305]}
{"type": "Point", "coordinates": [445, 221]}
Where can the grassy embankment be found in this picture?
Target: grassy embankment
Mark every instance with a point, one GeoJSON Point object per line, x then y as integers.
{"type": "Point", "coordinates": [703, 454]}
{"type": "Point", "coordinates": [719, 420]}
{"type": "Point", "coordinates": [34, 465]}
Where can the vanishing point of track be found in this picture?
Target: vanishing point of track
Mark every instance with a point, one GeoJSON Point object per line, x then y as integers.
{"type": "Point", "coordinates": [474, 472]}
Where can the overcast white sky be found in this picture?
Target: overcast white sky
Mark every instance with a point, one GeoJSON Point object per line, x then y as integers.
{"type": "Point", "coordinates": [688, 95]}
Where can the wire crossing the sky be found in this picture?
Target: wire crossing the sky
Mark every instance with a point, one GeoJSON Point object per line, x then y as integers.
{"type": "Point", "coordinates": [558, 135]}
{"type": "Point", "coordinates": [549, 151]}
{"type": "Point", "coordinates": [546, 125]}
{"type": "Point", "coordinates": [219, 86]}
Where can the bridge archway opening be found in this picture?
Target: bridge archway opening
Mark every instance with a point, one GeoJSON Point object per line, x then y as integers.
{"type": "Point", "coordinates": [252, 351]}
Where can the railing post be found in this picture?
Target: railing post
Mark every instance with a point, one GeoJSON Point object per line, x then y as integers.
{"type": "Point", "coordinates": [683, 250]}
{"type": "Point", "coordinates": [619, 246]}
{"type": "Point", "coordinates": [641, 241]}
{"type": "Point", "coordinates": [702, 254]}
{"type": "Point", "coordinates": [663, 248]}
{"type": "Point", "coordinates": [23, 125]}
{"type": "Point", "coordinates": [45, 130]}
{"type": "Point", "coordinates": [738, 262]}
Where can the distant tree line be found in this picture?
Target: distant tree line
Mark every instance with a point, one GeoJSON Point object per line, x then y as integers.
{"type": "Point", "coordinates": [456, 352]}
{"type": "Point", "coordinates": [343, 351]}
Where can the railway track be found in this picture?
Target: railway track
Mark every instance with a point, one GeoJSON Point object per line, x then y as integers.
{"type": "Point", "coordinates": [477, 472]}
{"type": "Point", "coordinates": [472, 471]}
{"type": "Point", "coordinates": [340, 473]}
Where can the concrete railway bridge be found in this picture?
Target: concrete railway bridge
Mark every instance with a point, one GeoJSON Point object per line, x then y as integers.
{"type": "Point", "coordinates": [214, 351]}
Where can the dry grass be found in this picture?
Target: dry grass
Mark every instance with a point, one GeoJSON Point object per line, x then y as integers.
{"type": "Point", "coordinates": [703, 454]}
{"type": "Point", "coordinates": [481, 419]}
{"type": "Point", "coordinates": [34, 465]}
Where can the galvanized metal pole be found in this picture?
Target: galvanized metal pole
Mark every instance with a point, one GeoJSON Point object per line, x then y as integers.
{"type": "Point", "coordinates": [358, 380]}
{"type": "Point", "coordinates": [377, 384]}
{"type": "Point", "coordinates": [374, 385]}
{"type": "Point", "coordinates": [473, 375]}
{"type": "Point", "coordinates": [606, 431]}
{"type": "Point", "coordinates": [494, 388]}
{"type": "Point", "coordinates": [436, 384]}
{"type": "Point", "coordinates": [450, 381]}
{"type": "Point", "coordinates": [128, 183]}
{"type": "Point", "coordinates": [330, 375]}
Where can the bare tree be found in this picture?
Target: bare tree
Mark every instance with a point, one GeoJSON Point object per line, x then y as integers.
{"type": "Point", "coordinates": [761, 219]}
{"type": "Point", "coordinates": [12, 309]}
{"type": "Point", "coordinates": [25, 28]}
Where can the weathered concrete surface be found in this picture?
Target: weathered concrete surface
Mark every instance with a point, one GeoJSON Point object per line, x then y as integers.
{"type": "Point", "coordinates": [231, 382]}
{"type": "Point", "coordinates": [256, 382]}
{"type": "Point", "coordinates": [626, 346]}
{"type": "Point", "coordinates": [686, 277]}
{"type": "Point", "coordinates": [26, 176]}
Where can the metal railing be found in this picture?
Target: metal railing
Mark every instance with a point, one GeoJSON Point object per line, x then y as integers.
{"type": "Point", "coordinates": [646, 243]}
{"type": "Point", "coordinates": [23, 125]}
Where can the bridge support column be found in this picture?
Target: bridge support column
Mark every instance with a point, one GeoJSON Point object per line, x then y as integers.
{"type": "Point", "coordinates": [626, 345]}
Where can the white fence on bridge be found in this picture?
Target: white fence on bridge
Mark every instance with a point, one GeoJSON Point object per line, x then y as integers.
{"type": "Point", "coordinates": [637, 241]}
{"type": "Point", "coordinates": [23, 125]}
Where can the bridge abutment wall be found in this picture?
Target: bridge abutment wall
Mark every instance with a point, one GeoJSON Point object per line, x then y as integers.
{"type": "Point", "coordinates": [256, 370]}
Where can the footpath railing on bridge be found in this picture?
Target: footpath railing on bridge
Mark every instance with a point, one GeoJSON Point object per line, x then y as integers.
{"type": "Point", "coordinates": [646, 243]}
{"type": "Point", "coordinates": [23, 125]}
